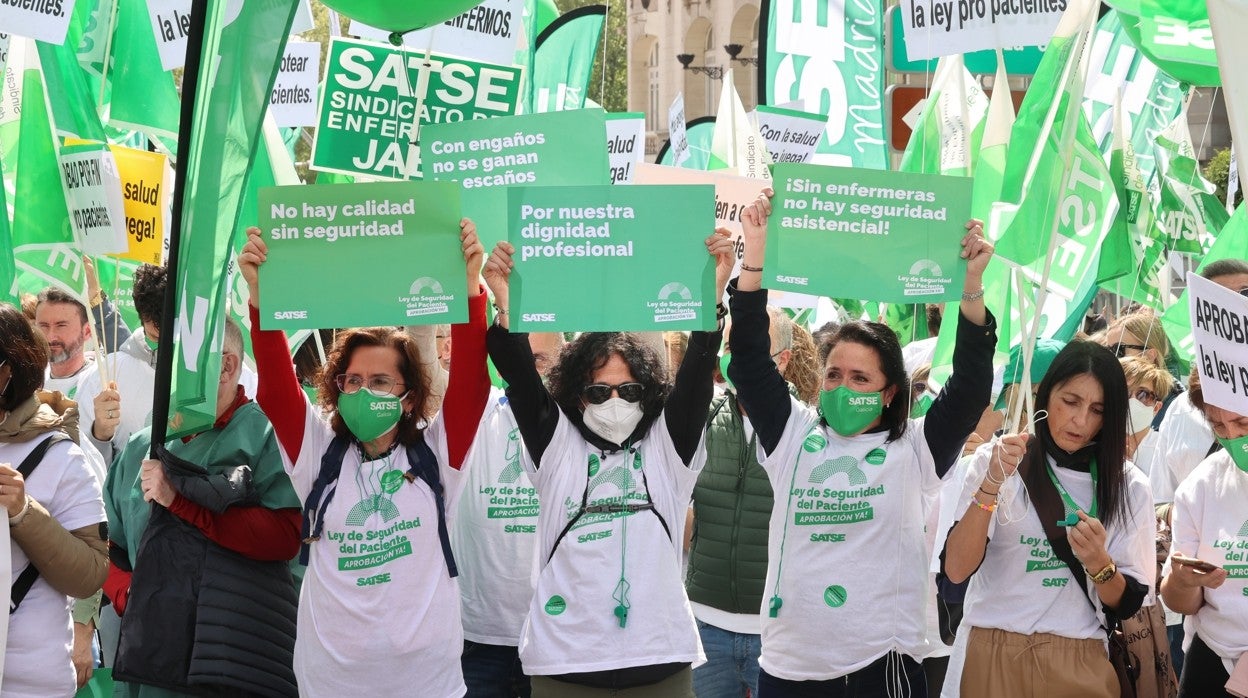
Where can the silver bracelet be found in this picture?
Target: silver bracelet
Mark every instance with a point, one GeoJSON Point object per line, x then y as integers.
{"type": "Point", "coordinates": [15, 520]}
{"type": "Point", "coordinates": [967, 297]}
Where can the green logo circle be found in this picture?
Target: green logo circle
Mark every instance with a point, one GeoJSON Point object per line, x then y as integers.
{"type": "Point", "coordinates": [556, 605]}
{"type": "Point", "coordinates": [814, 443]}
{"type": "Point", "coordinates": [391, 481]}
{"type": "Point", "coordinates": [834, 596]}
{"type": "Point", "coordinates": [876, 456]}
{"type": "Point", "coordinates": [593, 465]}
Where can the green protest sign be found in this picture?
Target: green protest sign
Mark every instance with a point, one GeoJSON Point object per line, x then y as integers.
{"type": "Point", "coordinates": [487, 156]}
{"type": "Point", "coordinates": [374, 96]}
{"type": "Point", "coordinates": [853, 233]}
{"type": "Point", "coordinates": [362, 255]}
{"type": "Point", "coordinates": [606, 258]}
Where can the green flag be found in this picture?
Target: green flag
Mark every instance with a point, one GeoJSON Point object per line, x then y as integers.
{"type": "Point", "coordinates": [1176, 35]}
{"type": "Point", "coordinates": [948, 134]}
{"type": "Point", "coordinates": [8, 270]}
{"type": "Point", "coordinates": [1188, 211]}
{"type": "Point", "coordinates": [237, 66]}
{"type": "Point", "coordinates": [564, 59]}
{"type": "Point", "coordinates": [143, 95]}
{"type": "Point", "coordinates": [1231, 244]}
{"type": "Point", "coordinates": [1037, 173]}
{"type": "Point", "coordinates": [69, 92]}
{"type": "Point", "coordinates": [43, 242]}
{"type": "Point", "coordinates": [736, 143]}
{"type": "Point", "coordinates": [1117, 256]}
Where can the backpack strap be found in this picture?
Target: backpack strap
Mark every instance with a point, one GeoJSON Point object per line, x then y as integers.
{"type": "Point", "coordinates": [318, 498]}
{"type": "Point", "coordinates": [26, 580]}
{"type": "Point", "coordinates": [423, 464]}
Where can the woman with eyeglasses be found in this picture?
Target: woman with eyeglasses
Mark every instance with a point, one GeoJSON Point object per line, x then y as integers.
{"type": "Point", "coordinates": [614, 451]}
{"type": "Point", "coordinates": [845, 603]}
{"type": "Point", "coordinates": [1147, 386]}
{"type": "Point", "coordinates": [1206, 578]}
{"type": "Point", "coordinates": [379, 607]}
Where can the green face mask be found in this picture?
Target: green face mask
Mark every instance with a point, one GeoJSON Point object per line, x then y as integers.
{"type": "Point", "coordinates": [922, 405]}
{"type": "Point", "coordinates": [849, 412]}
{"type": "Point", "coordinates": [369, 415]}
{"type": "Point", "coordinates": [1238, 448]}
{"type": "Point", "coordinates": [724, 360]}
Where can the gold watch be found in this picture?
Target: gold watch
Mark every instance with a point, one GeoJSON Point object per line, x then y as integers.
{"type": "Point", "coordinates": [1107, 573]}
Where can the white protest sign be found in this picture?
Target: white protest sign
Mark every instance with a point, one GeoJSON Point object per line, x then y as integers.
{"type": "Point", "coordinates": [293, 102]}
{"type": "Point", "coordinates": [626, 144]}
{"type": "Point", "coordinates": [488, 32]}
{"type": "Point", "coordinates": [44, 20]}
{"type": "Point", "coordinates": [171, 23]}
{"type": "Point", "coordinates": [936, 28]}
{"type": "Point", "coordinates": [791, 135]}
{"type": "Point", "coordinates": [1220, 334]}
{"type": "Point", "coordinates": [303, 18]}
{"type": "Point", "coordinates": [733, 193]}
{"type": "Point", "coordinates": [676, 130]}
{"type": "Point", "coordinates": [93, 194]}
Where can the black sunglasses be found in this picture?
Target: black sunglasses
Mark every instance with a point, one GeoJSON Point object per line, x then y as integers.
{"type": "Point", "coordinates": [598, 393]}
{"type": "Point", "coordinates": [1121, 350]}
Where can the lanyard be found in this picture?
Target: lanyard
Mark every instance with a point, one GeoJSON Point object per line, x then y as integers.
{"type": "Point", "coordinates": [1072, 517]}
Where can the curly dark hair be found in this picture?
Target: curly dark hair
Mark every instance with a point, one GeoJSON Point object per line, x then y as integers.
{"type": "Point", "coordinates": [410, 371]}
{"type": "Point", "coordinates": [590, 352]}
{"type": "Point", "coordinates": [25, 352]}
{"type": "Point", "coordinates": [150, 283]}
{"type": "Point", "coordinates": [883, 341]}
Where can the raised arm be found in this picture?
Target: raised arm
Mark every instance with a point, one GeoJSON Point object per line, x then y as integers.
{"type": "Point", "coordinates": [536, 412]}
{"type": "Point", "coordinates": [277, 389]}
{"type": "Point", "coordinates": [966, 394]}
{"type": "Point", "coordinates": [468, 388]}
{"type": "Point", "coordinates": [108, 322]}
{"type": "Point", "coordinates": [690, 398]}
{"type": "Point", "coordinates": [763, 391]}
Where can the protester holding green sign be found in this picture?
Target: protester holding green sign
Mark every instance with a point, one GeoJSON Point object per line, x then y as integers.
{"type": "Point", "coordinates": [851, 479]}
{"type": "Point", "coordinates": [614, 452]}
{"type": "Point", "coordinates": [379, 607]}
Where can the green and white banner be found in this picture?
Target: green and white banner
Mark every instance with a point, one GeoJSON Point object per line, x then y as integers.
{"type": "Point", "coordinates": [488, 32]}
{"type": "Point", "coordinates": [564, 59]}
{"type": "Point", "coordinates": [486, 156]}
{"type": "Point", "coordinates": [1188, 210]}
{"type": "Point", "coordinates": [946, 28]}
{"type": "Point", "coordinates": [853, 233]}
{"type": "Point", "coordinates": [831, 55]}
{"type": "Point", "coordinates": [237, 67]}
{"type": "Point", "coordinates": [608, 258]}
{"type": "Point", "coordinates": [947, 136]}
{"type": "Point", "coordinates": [735, 142]}
{"type": "Point", "coordinates": [402, 237]}
{"type": "Point", "coordinates": [376, 99]}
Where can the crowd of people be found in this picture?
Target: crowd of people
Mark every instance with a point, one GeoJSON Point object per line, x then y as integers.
{"type": "Point", "coordinates": [755, 510]}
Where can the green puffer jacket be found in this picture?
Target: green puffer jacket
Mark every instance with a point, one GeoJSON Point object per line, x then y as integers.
{"type": "Point", "coordinates": [732, 507]}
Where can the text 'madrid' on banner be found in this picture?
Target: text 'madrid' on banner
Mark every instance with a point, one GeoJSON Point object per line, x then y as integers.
{"type": "Point", "coordinates": [487, 156]}
{"type": "Point", "coordinates": [375, 95]}
{"type": "Point", "coordinates": [1220, 332]}
{"type": "Point", "coordinates": [854, 233]}
{"type": "Point", "coordinates": [403, 237]}
{"type": "Point", "coordinates": [947, 27]}
{"type": "Point", "coordinates": [830, 55]}
{"type": "Point", "coordinates": [610, 258]}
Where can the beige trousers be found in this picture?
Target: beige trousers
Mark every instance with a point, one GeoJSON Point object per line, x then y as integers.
{"type": "Point", "coordinates": [678, 685]}
{"type": "Point", "coordinates": [1001, 663]}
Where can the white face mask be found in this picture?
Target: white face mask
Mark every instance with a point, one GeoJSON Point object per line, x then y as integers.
{"type": "Point", "coordinates": [613, 420]}
{"type": "Point", "coordinates": [1140, 416]}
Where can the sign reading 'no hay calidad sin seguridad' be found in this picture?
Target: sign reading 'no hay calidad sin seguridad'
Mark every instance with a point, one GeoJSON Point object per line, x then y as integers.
{"type": "Point", "coordinates": [854, 233]}
{"type": "Point", "coordinates": [362, 255]}
{"type": "Point", "coordinates": [612, 258]}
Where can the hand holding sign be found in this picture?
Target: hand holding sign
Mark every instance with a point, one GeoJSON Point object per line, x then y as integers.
{"type": "Point", "coordinates": [976, 250]}
{"type": "Point", "coordinates": [498, 278]}
{"type": "Point", "coordinates": [754, 233]}
{"type": "Point", "coordinates": [474, 254]}
{"type": "Point", "coordinates": [253, 255]}
{"type": "Point", "coordinates": [721, 248]}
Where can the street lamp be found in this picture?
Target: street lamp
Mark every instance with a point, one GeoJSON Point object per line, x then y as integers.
{"type": "Point", "coordinates": [713, 72]}
{"type": "Point", "coordinates": [734, 50]}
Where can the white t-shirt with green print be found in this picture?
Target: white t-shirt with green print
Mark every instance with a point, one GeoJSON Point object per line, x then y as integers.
{"type": "Point", "coordinates": [573, 626]}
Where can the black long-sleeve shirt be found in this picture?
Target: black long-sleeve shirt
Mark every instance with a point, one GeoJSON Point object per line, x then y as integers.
{"type": "Point", "coordinates": [765, 395]}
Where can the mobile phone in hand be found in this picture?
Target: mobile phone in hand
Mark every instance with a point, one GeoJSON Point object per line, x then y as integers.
{"type": "Point", "coordinates": [1194, 563]}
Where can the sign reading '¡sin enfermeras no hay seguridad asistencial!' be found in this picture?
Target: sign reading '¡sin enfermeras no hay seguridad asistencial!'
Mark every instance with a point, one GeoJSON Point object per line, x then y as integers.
{"type": "Point", "coordinates": [369, 107]}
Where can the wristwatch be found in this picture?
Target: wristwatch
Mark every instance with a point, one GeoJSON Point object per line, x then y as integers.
{"type": "Point", "coordinates": [1107, 573]}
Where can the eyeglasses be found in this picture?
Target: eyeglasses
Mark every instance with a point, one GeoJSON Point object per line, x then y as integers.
{"type": "Point", "coordinates": [1121, 350]}
{"type": "Point", "coordinates": [918, 387]}
{"type": "Point", "coordinates": [1146, 396]}
{"type": "Point", "coordinates": [349, 384]}
{"type": "Point", "coordinates": [598, 393]}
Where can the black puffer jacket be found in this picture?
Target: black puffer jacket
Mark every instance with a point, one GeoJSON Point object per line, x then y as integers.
{"type": "Point", "coordinates": [206, 620]}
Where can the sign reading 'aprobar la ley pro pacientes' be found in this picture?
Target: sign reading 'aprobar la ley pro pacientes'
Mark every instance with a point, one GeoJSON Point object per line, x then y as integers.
{"type": "Point", "coordinates": [374, 95]}
{"type": "Point", "coordinates": [852, 233]}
